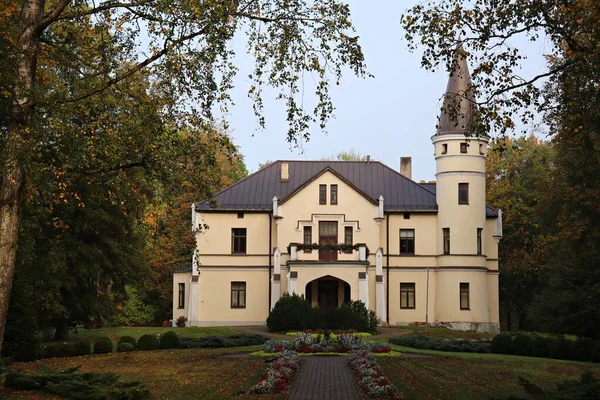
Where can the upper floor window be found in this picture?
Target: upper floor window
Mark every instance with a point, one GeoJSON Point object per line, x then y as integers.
{"type": "Point", "coordinates": [348, 233]}
{"type": "Point", "coordinates": [238, 240]}
{"type": "Point", "coordinates": [444, 148]}
{"type": "Point", "coordinates": [463, 147]}
{"type": "Point", "coordinates": [181, 295]}
{"type": "Point", "coordinates": [463, 193]}
{"type": "Point", "coordinates": [307, 237]}
{"type": "Point", "coordinates": [240, 215]}
{"type": "Point", "coordinates": [334, 194]}
{"type": "Point", "coordinates": [238, 294]}
{"type": "Point", "coordinates": [407, 295]}
{"type": "Point", "coordinates": [322, 194]}
{"type": "Point", "coordinates": [406, 215]}
{"type": "Point", "coordinates": [446, 232]}
{"type": "Point", "coordinates": [479, 230]}
{"type": "Point", "coordinates": [407, 241]}
{"type": "Point", "coordinates": [464, 296]}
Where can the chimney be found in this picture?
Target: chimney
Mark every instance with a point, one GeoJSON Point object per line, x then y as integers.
{"type": "Point", "coordinates": [285, 171]}
{"type": "Point", "coordinates": [406, 167]}
{"type": "Point", "coordinates": [368, 158]}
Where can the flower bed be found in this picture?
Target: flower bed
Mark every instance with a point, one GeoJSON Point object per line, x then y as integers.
{"type": "Point", "coordinates": [280, 374]}
{"type": "Point", "coordinates": [369, 376]}
{"type": "Point", "coordinates": [306, 343]}
{"type": "Point", "coordinates": [333, 334]}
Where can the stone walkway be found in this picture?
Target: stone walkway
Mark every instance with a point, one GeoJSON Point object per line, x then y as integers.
{"type": "Point", "coordinates": [324, 378]}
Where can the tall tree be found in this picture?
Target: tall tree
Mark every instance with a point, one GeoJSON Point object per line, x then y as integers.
{"type": "Point", "coordinates": [188, 47]}
{"type": "Point", "coordinates": [519, 174]}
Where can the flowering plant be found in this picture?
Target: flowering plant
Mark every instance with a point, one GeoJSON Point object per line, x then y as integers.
{"type": "Point", "coordinates": [369, 375]}
{"type": "Point", "coordinates": [279, 375]}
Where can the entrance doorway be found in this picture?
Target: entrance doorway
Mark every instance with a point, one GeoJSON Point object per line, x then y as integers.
{"type": "Point", "coordinates": [328, 234]}
{"type": "Point", "coordinates": [327, 292]}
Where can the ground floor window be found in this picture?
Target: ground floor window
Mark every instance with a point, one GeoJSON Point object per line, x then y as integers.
{"type": "Point", "coordinates": [181, 295]}
{"type": "Point", "coordinates": [238, 294]}
{"type": "Point", "coordinates": [407, 295]}
{"type": "Point", "coordinates": [464, 296]}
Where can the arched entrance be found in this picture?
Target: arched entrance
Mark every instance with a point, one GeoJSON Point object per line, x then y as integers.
{"type": "Point", "coordinates": [327, 292]}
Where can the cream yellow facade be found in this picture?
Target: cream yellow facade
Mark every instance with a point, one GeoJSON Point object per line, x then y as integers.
{"type": "Point", "coordinates": [415, 253]}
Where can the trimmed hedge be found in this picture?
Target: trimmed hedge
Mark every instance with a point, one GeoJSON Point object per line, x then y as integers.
{"type": "Point", "coordinates": [148, 342]}
{"type": "Point", "coordinates": [82, 348]}
{"type": "Point", "coordinates": [103, 346]}
{"type": "Point", "coordinates": [169, 340]}
{"type": "Point", "coordinates": [125, 347]}
{"type": "Point", "coordinates": [431, 343]}
{"type": "Point", "coordinates": [532, 345]}
{"type": "Point", "coordinates": [223, 341]}
{"type": "Point", "coordinates": [129, 339]}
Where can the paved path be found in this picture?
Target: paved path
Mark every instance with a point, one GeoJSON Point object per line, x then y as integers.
{"type": "Point", "coordinates": [324, 378]}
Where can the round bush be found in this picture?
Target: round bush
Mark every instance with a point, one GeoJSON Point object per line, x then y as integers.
{"type": "Point", "coordinates": [562, 348]}
{"type": "Point", "coordinates": [522, 345]}
{"type": "Point", "coordinates": [502, 344]}
{"type": "Point", "coordinates": [293, 312]}
{"type": "Point", "coordinates": [148, 342]}
{"type": "Point", "coordinates": [125, 347]}
{"type": "Point", "coordinates": [130, 340]}
{"type": "Point", "coordinates": [103, 345]}
{"type": "Point", "coordinates": [66, 350]}
{"type": "Point", "coordinates": [82, 348]}
{"type": "Point", "coordinates": [169, 340]}
{"type": "Point", "coordinates": [583, 349]}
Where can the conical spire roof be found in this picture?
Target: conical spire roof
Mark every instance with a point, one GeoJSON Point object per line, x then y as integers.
{"type": "Point", "coordinates": [459, 109]}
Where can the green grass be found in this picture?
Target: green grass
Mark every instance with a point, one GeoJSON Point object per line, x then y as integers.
{"type": "Point", "coordinates": [116, 333]}
{"type": "Point", "coordinates": [170, 374]}
{"type": "Point", "coordinates": [476, 376]}
{"type": "Point", "coordinates": [445, 333]}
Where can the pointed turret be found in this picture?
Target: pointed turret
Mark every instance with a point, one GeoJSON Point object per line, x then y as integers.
{"type": "Point", "coordinates": [459, 109]}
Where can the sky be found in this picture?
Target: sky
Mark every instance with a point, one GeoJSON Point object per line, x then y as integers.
{"type": "Point", "coordinates": [387, 117]}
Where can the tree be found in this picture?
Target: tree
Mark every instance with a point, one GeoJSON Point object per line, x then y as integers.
{"type": "Point", "coordinates": [188, 47]}
{"type": "Point", "coordinates": [519, 174]}
{"type": "Point", "coordinates": [350, 155]}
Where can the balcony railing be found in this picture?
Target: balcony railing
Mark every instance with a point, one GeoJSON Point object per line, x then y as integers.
{"type": "Point", "coordinates": [328, 253]}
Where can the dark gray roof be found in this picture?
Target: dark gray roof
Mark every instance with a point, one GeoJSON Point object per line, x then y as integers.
{"type": "Point", "coordinates": [372, 178]}
{"type": "Point", "coordinates": [489, 211]}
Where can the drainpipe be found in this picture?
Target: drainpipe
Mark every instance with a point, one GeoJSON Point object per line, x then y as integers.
{"type": "Point", "coordinates": [427, 304]}
{"type": "Point", "coordinates": [387, 267]}
{"type": "Point", "coordinates": [269, 255]}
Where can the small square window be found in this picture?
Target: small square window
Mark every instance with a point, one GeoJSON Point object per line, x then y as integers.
{"type": "Point", "coordinates": [464, 295]}
{"type": "Point", "coordinates": [334, 194]}
{"type": "Point", "coordinates": [407, 295]}
{"type": "Point", "coordinates": [444, 148]}
{"type": "Point", "coordinates": [481, 150]}
{"type": "Point", "coordinates": [322, 194]}
{"type": "Point", "coordinates": [463, 147]}
{"type": "Point", "coordinates": [406, 215]}
{"type": "Point", "coordinates": [463, 193]}
{"type": "Point", "coordinates": [238, 294]}
{"type": "Point", "coordinates": [240, 215]}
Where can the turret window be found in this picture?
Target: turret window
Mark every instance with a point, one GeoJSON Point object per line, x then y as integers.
{"type": "Point", "coordinates": [479, 230]}
{"type": "Point", "coordinates": [444, 148]}
{"type": "Point", "coordinates": [463, 147]}
{"type": "Point", "coordinates": [464, 296]}
{"type": "Point", "coordinates": [446, 232]}
{"type": "Point", "coordinates": [463, 193]}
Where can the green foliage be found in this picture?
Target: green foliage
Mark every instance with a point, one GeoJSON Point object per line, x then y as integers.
{"type": "Point", "coordinates": [148, 342]}
{"type": "Point", "coordinates": [595, 356]}
{"type": "Point", "coordinates": [523, 345]}
{"type": "Point", "coordinates": [351, 316]}
{"type": "Point", "coordinates": [586, 388]}
{"type": "Point", "coordinates": [103, 345]}
{"type": "Point", "coordinates": [128, 339]}
{"type": "Point", "coordinates": [243, 339]}
{"type": "Point", "coordinates": [583, 349]}
{"type": "Point", "coordinates": [169, 340]}
{"type": "Point", "coordinates": [293, 312]}
{"type": "Point", "coordinates": [502, 344]}
{"type": "Point", "coordinates": [82, 347]}
{"type": "Point", "coordinates": [430, 343]}
{"type": "Point", "coordinates": [125, 347]}
{"type": "Point", "coordinates": [135, 311]}
{"type": "Point", "coordinates": [68, 383]}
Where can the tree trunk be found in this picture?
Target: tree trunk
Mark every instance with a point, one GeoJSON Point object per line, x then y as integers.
{"type": "Point", "coordinates": [15, 151]}
{"type": "Point", "coordinates": [61, 331]}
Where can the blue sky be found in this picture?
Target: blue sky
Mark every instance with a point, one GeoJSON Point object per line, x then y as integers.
{"type": "Point", "coordinates": [386, 117]}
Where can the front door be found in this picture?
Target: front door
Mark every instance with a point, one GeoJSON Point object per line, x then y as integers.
{"type": "Point", "coordinates": [328, 234]}
{"type": "Point", "coordinates": [328, 294]}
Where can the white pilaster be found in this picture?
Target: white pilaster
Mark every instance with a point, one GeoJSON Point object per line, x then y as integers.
{"type": "Point", "coordinates": [363, 288]}
{"type": "Point", "coordinates": [276, 279]}
{"type": "Point", "coordinates": [293, 252]}
{"type": "Point", "coordinates": [292, 278]}
{"type": "Point", "coordinates": [193, 305]}
{"type": "Point", "coordinates": [379, 286]}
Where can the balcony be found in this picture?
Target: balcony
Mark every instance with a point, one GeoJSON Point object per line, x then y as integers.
{"type": "Point", "coordinates": [328, 253]}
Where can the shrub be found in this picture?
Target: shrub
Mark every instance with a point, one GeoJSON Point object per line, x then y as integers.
{"type": "Point", "coordinates": [522, 345]}
{"type": "Point", "coordinates": [23, 350]}
{"type": "Point", "coordinates": [169, 340]}
{"type": "Point", "coordinates": [219, 341]}
{"type": "Point", "coordinates": [103, 345]}
{"type": "Point", "coordinates": [583, 348]}
{"type": "Point", "coordinates": [595, 356]}
{"type": "Point", "coordinates": [82, 347]}
{"type": "Point", "coordinates": [129, 339]}
{"type": "Point", "coordinates": [66, 350]}
{"type": "Point", "coordinates": [148, 342]}
{"type": "Point", "coordinates": [502, 344]}
{"type": "Point", "coordinates": [135, 311]}
{"type": "Point", "coordinates": [430, 343]}
{"type": "Point", "coordinates": [125, 347]}
{"type": "Point", "coordinates": [561, 348]}
{"type": "Point", "coordinates": [292, 312]}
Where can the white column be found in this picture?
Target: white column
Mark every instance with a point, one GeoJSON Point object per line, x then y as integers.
{"type": "Point", "coordinates": [379, 286]}
{"type": "Point", "coordinates": [292, 278]}
{"type": "Point", "coordinates": [362, 252]}
{"type": "Point", "coordinates": [193, 306]}
{"type": "Point", "coordinates": [293, 252]}
{"type": "Point", "coordinates": [276, 279]}
{"type": "Point", "coordinates": [363, 288]}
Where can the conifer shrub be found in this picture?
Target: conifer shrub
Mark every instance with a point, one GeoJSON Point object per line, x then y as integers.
{"type": "Point", "coordinates": [82, 348]}
{"type": "Point", "coordinates": [148, 342]}
{"type": "Point", "coordinates": [103, 346]}
{"type": "Point", "coordinates": [129, 339]}
{"type": "Point", "coordinates": [125, 347]}
{"type": "Point", "coordinates": [169, 340]}
{"type": "Point", "coordinates": [502, 344]}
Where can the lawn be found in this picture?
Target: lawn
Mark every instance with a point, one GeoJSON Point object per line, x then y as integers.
{"type": "Point", "coordinates": [476, 376]}
{"type": "Point", "coordinates": [170, 374]}
{"type": "Point", "coordinates": [445, 333]}
{"type": "Point", "coordinates": [116, 333]}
